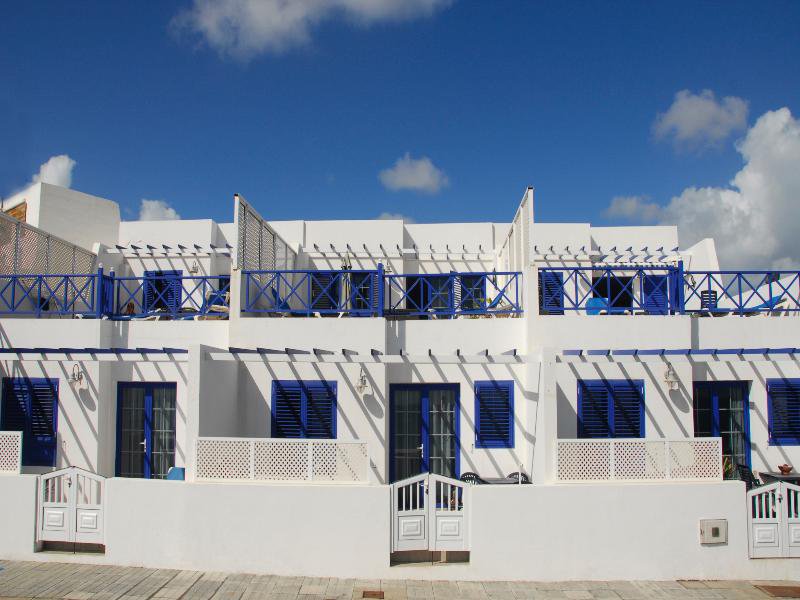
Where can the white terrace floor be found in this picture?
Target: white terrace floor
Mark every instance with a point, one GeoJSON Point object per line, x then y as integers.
{"type": "Point", "coordinates": [92, 582]}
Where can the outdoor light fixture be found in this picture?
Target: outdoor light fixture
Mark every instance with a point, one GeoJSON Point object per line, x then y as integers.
{"type": "Point", "coordinates": [77, 374]}
{"type": "Point", "coordinates": [671, 377]}
{"type": "Point", "coordinates": [363, 386]}
{"type": "Point", "coordinates": [194, 268]}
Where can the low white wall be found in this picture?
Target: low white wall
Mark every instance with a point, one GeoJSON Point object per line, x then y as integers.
{"type": "Point", "coordinates": [612, 532]}
{"type": "Point", "coordinates": [17, 516]}
{"type": "Point", "coordinates": [335, 531]}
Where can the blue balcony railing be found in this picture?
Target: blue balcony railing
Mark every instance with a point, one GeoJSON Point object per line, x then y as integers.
{"type": "Point", "coordinates": [305, 293]}
{"type": "Point", "coordinates": [453, 294]}
{"type": "Point", "coordinates": [373, 293]}
{"type": "Point", "coordinates": [68, 294]}
{"type": "Point", "coordinates": [170, 296]}
{"type": "Point", "coordinates": [666, 290]}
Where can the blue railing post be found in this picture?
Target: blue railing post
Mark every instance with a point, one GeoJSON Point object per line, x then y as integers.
{"type": "Point", "coordinates": [39, 296]}
{"type": "Point", "coordinates": [679, 289]}
{"type": "Point", "coordinates": [380, 276]}
{"type": "Point", "coordinates": [98, 293]}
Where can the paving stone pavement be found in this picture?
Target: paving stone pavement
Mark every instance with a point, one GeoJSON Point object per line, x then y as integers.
{"type": "Point", "coordinates": [61, 581]}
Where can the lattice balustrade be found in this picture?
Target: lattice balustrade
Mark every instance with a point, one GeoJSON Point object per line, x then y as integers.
{"type": "Point", "coordinates": [695, 459]}
{"type": "Point", "coordinates": [10, 452]}
{"type": "Point", "coordinates": [274, 459]}
{"type": "Point", "coordinates": [690, 459]}
{"type": "Point", "coordinates": [223, 458]}
{"type": "Point", "coordinates": [582, 460]}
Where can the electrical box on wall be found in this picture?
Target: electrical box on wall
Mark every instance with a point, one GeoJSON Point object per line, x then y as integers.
{"type": "Point", "coordinates": [713, 531]}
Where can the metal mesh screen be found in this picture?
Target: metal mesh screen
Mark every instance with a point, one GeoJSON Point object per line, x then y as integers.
{"type": "Point", "coordinates": [27, 250]}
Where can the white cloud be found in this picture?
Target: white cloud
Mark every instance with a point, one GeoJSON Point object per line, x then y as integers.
{"type": "Point", "coordinates": [157, 210]}
{"type": "Point", "coordinates": [415, 174]}
{"type": "Point", "coordinates": [57, 170]}
{"type": "Point", "coordinates": [697, 121]}
{"type": "Point", "coordinates": [753, 221]}
{"type": "Point", "coordinates": [633, 208]}
{"type": "Point", "coordinates": [245, 28]}
{"type": "Point", "coordinates": [387, 216]}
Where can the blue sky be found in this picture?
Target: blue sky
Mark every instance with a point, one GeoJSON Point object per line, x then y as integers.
{"type": "Point", "coordinates": [496, 95]}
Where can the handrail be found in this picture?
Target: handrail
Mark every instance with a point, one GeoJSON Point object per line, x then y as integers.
{"type": "Point", "coordinates": [176, 297]}
{"type": "Point", "coordinates": [306, 292]}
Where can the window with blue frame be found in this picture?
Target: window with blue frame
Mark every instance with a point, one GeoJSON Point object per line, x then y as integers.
{"type": "Point", "coordinates": [783, 406]}
{"type": "Point", "coordinates": [162, 291]}
{"type": "Point", "coordinates": [30, 405]}
{"type": "Point", "coordinates": [304, 409]}
{"type": "Point", "coordinates": [471, 292]}
{"type": "Point", "coordinates": [655, 294]}
{"type": "Point", "coordinates": [494, 414]}
{"type": "Point", "coordinates": [721, 409]}
{"type": "Point", "coordinates": [610, 408]}
{"type": "Point", "coordinates": [551, 293]}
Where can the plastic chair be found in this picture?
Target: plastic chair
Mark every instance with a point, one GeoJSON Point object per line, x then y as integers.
{"type": "Point", "coordinates": [597, 306]}
{"type": "Point", "coordinates": [520, 477]}
{"type": "Point", "coordinates": [471, 478]}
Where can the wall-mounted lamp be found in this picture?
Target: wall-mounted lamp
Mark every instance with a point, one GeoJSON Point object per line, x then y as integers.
{"type": "Point", "coordinates": [194, 268]}
{"type": "Point", "coordinates": [76, 378]}
{"type": "Point", "coordinates": [671, 377]}
{"type": "Point", "coordinates": [362, 386]}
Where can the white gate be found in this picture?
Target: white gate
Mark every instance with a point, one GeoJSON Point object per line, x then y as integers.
{"type": "Point", "coordinates": [430, 512]}
{"type": "Point", "coordinates": [70, 507]}
{"type": "Point", "coordinates": [773, 518]}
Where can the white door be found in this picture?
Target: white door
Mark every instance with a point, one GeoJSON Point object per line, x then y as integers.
{"type": "Point", "coordinates": [70, 507]}
{"type": "Point", "coordinates": [429, 512]}
{"type": "Point", "coordinates": [773, 514]}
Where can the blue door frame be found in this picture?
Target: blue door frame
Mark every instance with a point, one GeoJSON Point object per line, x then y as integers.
{"type": "Point", "coordinates": [424, 389]}
{"type": "Point", "coordinates": [148, 421]}
{"type": "Point", "coordinates": [713, 387]}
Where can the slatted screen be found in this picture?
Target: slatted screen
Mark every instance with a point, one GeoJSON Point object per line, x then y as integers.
{"type": "Point", "coordinates": [783, 399]}
{"type": "Point", "coordinates": [30, 406]}
{"type": "Point", "coordinates": [304, 409]}
{"type": "Point", "coordinates": [655, 294]}
{"type": "Point", "coordinates": [551, 293]}
{"type": "Point", "coordinates": [610, 408]}
{"type": "Point", "coordinates": [494, 414]}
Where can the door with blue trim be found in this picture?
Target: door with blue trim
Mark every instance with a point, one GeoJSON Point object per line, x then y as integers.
{"type": "Point", "coordinates": [722, 409]}
{"type": "Point", "coordinates": [162, 291]}
{"type": "Point", "coordinates": [30, 405]}
{"type": "Point", "coordinates": [424, 426]}
{"type": "Point", "coordinates": [146, 415]}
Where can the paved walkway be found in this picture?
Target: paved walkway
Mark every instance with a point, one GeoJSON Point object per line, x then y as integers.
{"type": "Point", "coordinates": [92, 582]}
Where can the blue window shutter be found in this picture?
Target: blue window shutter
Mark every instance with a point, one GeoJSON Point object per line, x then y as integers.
{"type": "Point", "coordinates": [148, 291]}
{"type": "Point", "coordinates": [551, 292]}
{"type": "Point", "coordinates": [783, 400]}
{"type": "Point", "coordinates": [610, 408]}
{"type": "Point", "coordinates": [593, 409]}
{"type": "Point", "coordinates": [174, 290]}
{"type": "Point", "coordinates": [494, 414]}
{"type": "Point", "coordinates": [628, 408]}
{"type": "Point", "coordinates": [655, 294]}
{"type": "Point", "coordinates": [320, 409]}
{"type": "Point", "coordinates": [304, 409]}
{"type": "Point", "coordinates": [31, 406]}
{"type": "Point", "coordinates": [287, 409]}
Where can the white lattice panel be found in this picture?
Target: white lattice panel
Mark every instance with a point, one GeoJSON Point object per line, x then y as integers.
{"type": "Point", "coordinates": [223, 458]}
{"type": "Point", "coordinates": [281, 460]}
{"type": "Point", "coordinates": [639, 460]}
{"type": "Point", "coordinates": [584, 460]}
{"type": "Point", "coordinates": [692, 459]}
{"type": "Point", "coordinates": [274, 459]}
{"type": "Point", "coordinates": [10, 452]}
{"type": "Point", "coordinates": [695, 459]}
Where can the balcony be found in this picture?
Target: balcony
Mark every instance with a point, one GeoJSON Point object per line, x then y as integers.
{"type": "Point", "coordinates": [666, 290]}
{"type": "Point", "coordinates": [97, 295]}
{"type": "Point", "coordinates": [354, 293]}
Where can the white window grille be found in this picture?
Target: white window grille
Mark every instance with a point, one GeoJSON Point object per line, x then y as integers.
{"type": "Point", "coordinates": [278, 459]}
{"type": "Point", "coordinates": [630, 459]}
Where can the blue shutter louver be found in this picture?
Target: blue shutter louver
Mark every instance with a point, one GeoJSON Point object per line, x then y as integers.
{"type": "Point", "coordinates": [610, 408]}
{"type": "Point", "coordinates": [320, 419]}
{"type": "Point", "coordinates": [31, 406]}
{"type": "Point", "coordinates": [655, 293]}
{"type": "Point", "coordinates": [551, 293]}
{"type": "Point", "coordinates": [494, 414]}
{"type": "Point", "coordinates": [304, 409]}
{"type": "Point", "coordinates": [783, 398]}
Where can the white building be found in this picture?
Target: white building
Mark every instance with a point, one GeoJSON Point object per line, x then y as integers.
{"type": "Point", "coordinates": [622, 374]}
